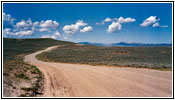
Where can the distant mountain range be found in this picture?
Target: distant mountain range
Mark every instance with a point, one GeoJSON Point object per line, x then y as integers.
{"type": "Point", "coordinates": [125, 44]}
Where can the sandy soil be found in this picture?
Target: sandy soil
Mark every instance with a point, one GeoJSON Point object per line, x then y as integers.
{"type": "Point", "coordinates": [75, 80]}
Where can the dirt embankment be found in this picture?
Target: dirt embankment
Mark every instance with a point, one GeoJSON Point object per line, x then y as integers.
{"type": "Point", "coordinates": [75, 80]}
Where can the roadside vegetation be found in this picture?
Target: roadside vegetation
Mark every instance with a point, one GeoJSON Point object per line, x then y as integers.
{"type": "Point", "coordinates": [20, 78]}
{"type": "Point", "coordinates": [140, 57]}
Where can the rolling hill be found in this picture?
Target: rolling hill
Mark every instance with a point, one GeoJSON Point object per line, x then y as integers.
{"type": "Point", "coordinates": [20, 78]}
{"type": "Point", "coordinates": [125, 44]}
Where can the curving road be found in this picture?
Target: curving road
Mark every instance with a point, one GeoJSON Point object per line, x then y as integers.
{"type": "Point", "coordinates": [76, 80]}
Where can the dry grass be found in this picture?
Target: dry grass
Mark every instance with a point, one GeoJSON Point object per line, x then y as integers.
{"type": "Point", "coordinates": [140, 57]}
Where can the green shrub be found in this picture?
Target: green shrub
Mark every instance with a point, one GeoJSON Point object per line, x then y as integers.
{"type": "Point", "coordinates": [145, 57]}
{"type": "Point", "coordinates": [22, 75]}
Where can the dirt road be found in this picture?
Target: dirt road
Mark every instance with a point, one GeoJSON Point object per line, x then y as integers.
{"type": "Point", "coordinates": [75, 80]}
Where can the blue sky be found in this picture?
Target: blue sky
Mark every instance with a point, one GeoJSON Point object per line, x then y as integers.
{"type": "Point", "coordinates": [92, 22]}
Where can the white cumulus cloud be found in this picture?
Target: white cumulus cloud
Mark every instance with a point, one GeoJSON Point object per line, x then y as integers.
{"type": "Point", "coordinates": [27, 27]}
{"type": "Point", "coordinates": [57, 33]}
{"type": "Point", "coordinates": [22, 28]}
{"type": "Point", "coordinates": [46, 36]}
{"type": "Point", "coordinates": [116, 24]}
{"type": "Point", "coordinates": [47, 25]}
{"type": "Point", "coordinates": [73, 28]}
{"type": "Point", "coordinates": [152, 20]}
{"type": "Point", "coordinates": [126, 20]}
{"type": "Point", "coordinates": [70, 29]}
{"type": "Point", "coordinates": [44, 29]}
{"type": "Point", "coordinates": [86, 29]}
{"type": "Point", "coordinates": [105, 20]}
{"type": "Point", "coordinates": [80, 23]}
{"type": "Point", "coordinates": [156, 24]}
{"type": "Point", "coordinates": [24, 25]}
{"type": "Point", "coordinates": [108, 20]}
{"type": "Point", "coordinates": [7, 31]}
{"type": "Point", "coordinates": [8, 20]}
{"type": "Point", "coordinates": [53, 36]}
{"type": "Point", "coordinates": [149, 21]}
{"type": "Point", "coordinates": [24, 33]}
{"type": "Point", "coordinates": [129, 20]}
{"type": "Point", "coordinates": [114, 27]}
{"type": "Point", "coordinates": [119, 20]}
